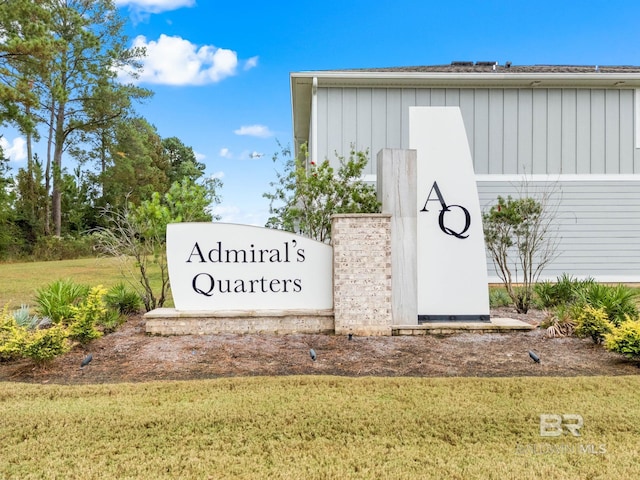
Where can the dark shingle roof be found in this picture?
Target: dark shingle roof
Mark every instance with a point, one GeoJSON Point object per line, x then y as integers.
{"type": "Point", "coordinates": [486, 67]}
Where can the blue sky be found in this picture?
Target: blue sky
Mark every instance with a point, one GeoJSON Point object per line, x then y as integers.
{"type": "Point", "coordinates": [220, 70]}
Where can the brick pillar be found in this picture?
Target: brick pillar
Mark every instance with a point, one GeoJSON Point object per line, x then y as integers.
{"type": "Point", "coordinates": [362, 273]}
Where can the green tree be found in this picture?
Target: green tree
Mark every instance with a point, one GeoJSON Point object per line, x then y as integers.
{"type": "Point", "coordinates": [306, 194]}
{"type": "Point", "coordinates": [520, 237]}
{"type": "Point", "coordinates": [139, 232]}
{"type": "Point", "coordinates": [182, 160]}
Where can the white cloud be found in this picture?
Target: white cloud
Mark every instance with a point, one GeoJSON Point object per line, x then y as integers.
{"type": "Point", "coordinates": [176, 61]}
{"type": "Point", "coordinates": [218, 175]}
{"type": "Point", "coordinates": [225, 153]}
{"type": "Point", "coordinates": [234, 214]}
{"type": "Point", "coordinates": [154, 6]}
{"type": "Point", "coordinates": [260, 131]}
{"type": "Point", "coordinates": [251, 63]}
{"type": "Point", "coordinates": [16, 150]}
{"type": "Point", "coordinates": [199, 156]}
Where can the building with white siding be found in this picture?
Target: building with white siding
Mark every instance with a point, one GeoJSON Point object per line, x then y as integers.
{"type": "Point", "coordinates": [572, 128]}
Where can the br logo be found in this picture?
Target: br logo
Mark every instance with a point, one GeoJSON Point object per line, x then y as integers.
{"type": "Point", "coordinates": [552, 425]}
{"type": "Point", "coordinates": [461, 227]}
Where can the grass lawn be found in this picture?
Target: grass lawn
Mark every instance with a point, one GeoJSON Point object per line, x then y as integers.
{"type": "Point", "coordinates": [319, 428]}
{"type": "Point", "coordinates": [19, 281]}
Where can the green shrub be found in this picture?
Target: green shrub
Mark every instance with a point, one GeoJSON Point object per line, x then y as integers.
{"type": "Point", "coordinates": [111, 320]}
{"type": "Point", "coordinates": [56, 299]}
{"type": "Point", "coordinates": [63, 248]}
{"type": "Point", "coordinates": [86, 315]}
{"type": "Point", "coordinates": [625, 339]}
{"type": "Point", "coordinates": [12, 336]}
{"type": "Point", "coordinates": [592, 322]}
{"type": "Point", "coordinates": [498, 297]}
{"type": "Point", "coordinates": [123, 300]}
{"type": "Point", "coordinates": [564, 291]}
{"type": "Point", "coordinates": [42, 346]}
{"type": "Point", "coordinates": [618, 302]}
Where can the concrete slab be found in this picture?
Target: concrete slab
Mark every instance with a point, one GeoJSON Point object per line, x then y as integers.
{"type": "Point", "coordinates": [496, 325]}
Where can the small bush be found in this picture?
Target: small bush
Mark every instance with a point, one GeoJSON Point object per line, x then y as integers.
{"type": "Point", "coordinates": [498, 297]}
{"type": "Point", "coordinates": [24, 318]}
{"type": "Point", "coordinates": [57, 299]}
{"type": "Point", "coordinates": [125, 301]}
{"type": "Point", "coordinates": [625, 339]}
{"type": "Point", "coordinates": [42, 346]}
{"type": "Point", "coordinates": [566, 290]}
{"type": "Point", "coordinates": [111, 321]}
{"type": "Point", "coordinates": [12, 336]}
{"type": "Point", "coordinates": [592, 322]}
{"type": "Point", "coordinates": [560, 322]}
{"type": "Point", "coordinates": [618, 302]}
{"type": "Point", "coordinates": [86, 315]}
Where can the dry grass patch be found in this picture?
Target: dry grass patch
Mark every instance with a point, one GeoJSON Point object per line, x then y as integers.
{"type": "Point", "coordinates": [19, 281]}
{"type": "Point", "coordinates": [320, 427]}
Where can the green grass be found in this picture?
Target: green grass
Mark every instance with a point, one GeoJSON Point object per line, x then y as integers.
{"type": "Point", "coordinates": [19, 281]}
{"type": "Point", "coordinates": [320, 428]}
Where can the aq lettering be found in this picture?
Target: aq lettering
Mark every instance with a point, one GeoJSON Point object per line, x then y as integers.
{"type": "Point", "coordinates": [446, 209]}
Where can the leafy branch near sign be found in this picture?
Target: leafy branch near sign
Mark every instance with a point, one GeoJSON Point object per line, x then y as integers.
{"type": "Point", "coordinates": [520, 235]}
{"type": "Point", "coordinates": [306, 193]}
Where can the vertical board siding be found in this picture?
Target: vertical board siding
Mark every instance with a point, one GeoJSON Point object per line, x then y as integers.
{"type": "Point", "coordinates": [531, 130]}
{"type": "Point", "coordinates": [597, 224]}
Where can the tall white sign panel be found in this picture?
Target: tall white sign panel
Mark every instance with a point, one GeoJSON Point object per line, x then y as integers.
{"type": "Point", "coordinates": [223, 266]}
{"type": "Point", "coordinates": [452, 272]}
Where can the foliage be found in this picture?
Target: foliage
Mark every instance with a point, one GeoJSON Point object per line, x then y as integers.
{"type": "Point", "coordinates": [306, 193]}
{"type": "Point", "coordinates": [624, 339]}
{"type": "Point", "coordinates": [12, 336]}
{"type": "Point", "coordinates": [560, 322]}
{"type": "Point", "coordinates": [111, 320]}
{"type": "Point", "coordinates": [24, 319]}
{"type": "Point", "coordinates": [565, 291]}
{"type": "Point", "coordinates": [618, 302]}
{"type": "Point", "coordinates": [519, 236]}
{"type": "Point", "coordinates": [139, 232]}
{"type": "Point", "coordinates": [86, 315]}
{"type": "Point", "coordinates": [123, 300]}
{"type": "Point", "coordinates": [498, 297]}
{"type": "Point", "coordinates": [592, 322]}
{"type": "Point", "coordinates": [63, 248]}
{"type": "Point", "coordinates": [42, 346]}
{"type": "Point", "coordinates": [56, 300]}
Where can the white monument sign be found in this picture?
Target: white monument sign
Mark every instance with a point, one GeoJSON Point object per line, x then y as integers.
{"type": "Point", "coordinates": [452, 272]}
{"type": "Point", "coordinates": [222, 266]}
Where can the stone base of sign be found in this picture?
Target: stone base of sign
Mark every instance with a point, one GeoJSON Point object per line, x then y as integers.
{"type": "Point", "coordinates": [169, 321]}
{"type": "Point", "coordinates": [497, 325]}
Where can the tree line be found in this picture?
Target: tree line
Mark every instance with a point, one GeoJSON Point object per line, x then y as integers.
{"type": "Point", "coordinates": [60, 86]}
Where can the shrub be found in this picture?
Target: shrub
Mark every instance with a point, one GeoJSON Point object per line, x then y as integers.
{"type": "Point", "coordinates": [625, 339]}
{"type": "Point", "coordinates": [566, 290]}
{"type": "Point", "coordinates": [592, 322]}
{"type": "Point", "coordinates": [56, 299]}
{"type": "Point", "coordinates": [498, 297]}
{"type": "Point", "coordinates": [618, 302]}
{"type": "Point", "coordinates": [87, 315]}
{"type": "Point", "coordinates": [24, 318]}
{"type": "Point", "coordinates": [12, 337]}
{"type": "Point", "coordinates": [42, 346]}
{"type": "Point", "coordinates": [62, 248]}
{"type": "Point", "coordinates": [111, 321]}
{"type": "Point", "coordinates": [560, 322]}
{"type": "Point", "coordinates": [123, 300]}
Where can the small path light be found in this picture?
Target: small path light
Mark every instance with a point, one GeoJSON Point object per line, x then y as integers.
{"type": "Point", "coordinates": [534, 357]}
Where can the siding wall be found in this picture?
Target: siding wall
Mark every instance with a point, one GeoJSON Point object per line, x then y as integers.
{"type": "Point", "coordinates": [510, 131]}
{"type": "Point", "coordinates": [597, 224]}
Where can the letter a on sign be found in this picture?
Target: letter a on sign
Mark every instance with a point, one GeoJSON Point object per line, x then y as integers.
{"type": "Point", "coordinates": [451, 259]}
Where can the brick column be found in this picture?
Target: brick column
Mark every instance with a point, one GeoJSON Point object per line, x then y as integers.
{"type": "Point", "coordinates": [362, 273]}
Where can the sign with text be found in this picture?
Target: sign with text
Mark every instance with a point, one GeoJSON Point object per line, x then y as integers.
{"type": "Point", "coordinates": [451, 259]}
{"type": "Point", "coordinates": [223, 266]}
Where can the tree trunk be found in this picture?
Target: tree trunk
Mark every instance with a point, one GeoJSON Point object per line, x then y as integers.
{"type": "Point", "coordinates": [56, 196]}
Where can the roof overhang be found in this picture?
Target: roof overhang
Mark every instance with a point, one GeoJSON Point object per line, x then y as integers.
{"type": "Point", "coordinates": [302, 83]}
